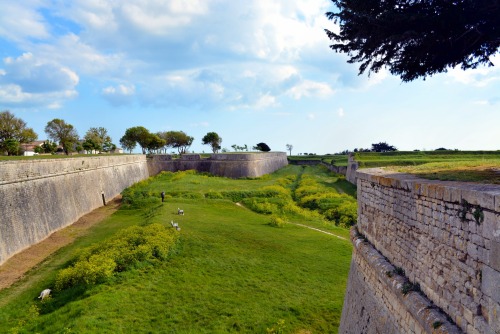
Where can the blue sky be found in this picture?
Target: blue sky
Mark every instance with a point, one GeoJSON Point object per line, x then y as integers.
{"type": "Point", "coordinates": [252, 71]}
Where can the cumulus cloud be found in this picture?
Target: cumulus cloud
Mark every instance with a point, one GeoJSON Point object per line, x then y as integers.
{"type": "Point", "coordinates": [340, 112]}
{"type": "Point", "coordinates": [200, 53]}
{"type": "Point", "coordinates": [20, 20]}
{"type": "Point", "coordinates": [26, 80]}
{"type": "Point", "coordinates": [479, 77]}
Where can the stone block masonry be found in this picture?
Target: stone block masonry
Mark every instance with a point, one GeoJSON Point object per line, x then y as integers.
{"type": "Point", "coordinates": [446, 238]}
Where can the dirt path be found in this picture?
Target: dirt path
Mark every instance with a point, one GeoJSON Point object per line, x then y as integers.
{"type": "Point", "coordinates": [15, 267]}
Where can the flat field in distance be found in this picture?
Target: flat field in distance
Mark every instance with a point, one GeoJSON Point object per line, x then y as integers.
{"type": "Point", "coordinates": [232, 270]}
{"type": "Point", "coordinates": [467, 166]}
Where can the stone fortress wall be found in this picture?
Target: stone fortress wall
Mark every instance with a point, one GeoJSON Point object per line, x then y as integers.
{"type": "Point", "coordinates": [233, 165]}
{"type": "Point", "coordinates": [446, 238]}
{"type": "Point", "coordinates": [39, 197]}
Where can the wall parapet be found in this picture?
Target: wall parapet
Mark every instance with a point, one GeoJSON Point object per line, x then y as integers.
{"type": "Point", "coordinates": [446, 237]}
{"type": "Point", "coordinates": [412, 311]}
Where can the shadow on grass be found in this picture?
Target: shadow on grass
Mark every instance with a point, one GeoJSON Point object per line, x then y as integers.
{"type": "Point", "coordinates": [62, 298]}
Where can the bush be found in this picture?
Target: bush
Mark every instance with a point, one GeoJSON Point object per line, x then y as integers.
{"type": "Point", "coordinates": [260, 205]}
{"type": "Point", "coordinates": [276, 221]}
{"type": "Point", "coordinates": [214, 195]}
{"type": "Point", "coordinates": [132, 245]}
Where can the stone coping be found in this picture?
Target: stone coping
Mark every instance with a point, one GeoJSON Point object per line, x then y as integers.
{"type": "Point", "coordinates": [485, 195]}
{"type": "Point", "coordinates": [418, 305]}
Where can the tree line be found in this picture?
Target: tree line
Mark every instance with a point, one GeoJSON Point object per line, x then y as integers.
{"type": "Point", "coordinates": [14, 132]}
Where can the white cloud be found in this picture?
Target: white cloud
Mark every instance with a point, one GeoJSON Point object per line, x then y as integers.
{"type": "Point", "coordinates": [340, 112]}
{"type": "Point", "coordinates": [311, 116]}
{"type": "Point", "coordinates": [309, 88]}
{"type": "Point", "coordinates": [19, 20]}
{"type": "Point", "coordinates": [119, 95]}
{"type": "Point", "coordinates": [479, 77]}
{"type": "Point", "coordinates": [26, 80]}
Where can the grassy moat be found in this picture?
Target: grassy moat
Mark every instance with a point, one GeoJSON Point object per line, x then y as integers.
{"type": "Point", "coordinates": [240, 262]}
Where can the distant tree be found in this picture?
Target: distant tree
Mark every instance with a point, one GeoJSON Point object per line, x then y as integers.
{"type": "Point", "coordinates": [441, 149]}
{"type": "Point", "coordinates": [128, 144]}
{"type": "Point", "coordinates": [214, 140]}
{"type": "Point", "coordinates": [47, 147]}
{"type": "Point", "coordinates": [99, 139]}
{"type": "Point", "coordinates": [289, 148]}
{"type": "Point", "coordinates": [416, 38]}
{"type": "Point", "coordinates": [262, 147]}
{"type": "Point", "coordinates": [12, 146]}
{"type": "Point", "coordinates": [64, 133]}
{"type": "Point", "coordinates": [179, 140]}
{"type": "Point", "coordinates": [382, 147]}
{"type": "Point", "coordinates": [136, 135]}
{"type": "Point", "coordinates": [14, 129]}
{"type": "Point", "coordinates": [155, 143]}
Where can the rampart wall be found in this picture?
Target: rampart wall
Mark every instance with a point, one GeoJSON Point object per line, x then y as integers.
{"type": "Point", "coordinates": [227, 165]}
{"type": "Point", "coordinates": [38, 197]}
{"type": "Point", "coordinates": [445, 236]}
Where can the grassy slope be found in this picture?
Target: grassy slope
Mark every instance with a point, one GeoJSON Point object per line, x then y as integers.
{"type": "Point", "coordinates": [232, 273]}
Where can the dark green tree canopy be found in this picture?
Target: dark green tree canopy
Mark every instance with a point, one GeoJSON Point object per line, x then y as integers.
{"type": "Point", "coordinates": [136, 135]}
{"type": "Point", "coordinates": [416, 38]}
{"type": "Point", "coordinates": [177, 139]}
{"type": "Point", "coordinates": [383, 147]}
{"type": "Point", "coordinates": [262, 147]}
{"type": "Point", "coordinates": [64, 133]}
{"type": "Point", "coordinates": [13, 131]}
{"type": "Point", "coordinates": [212, 139]}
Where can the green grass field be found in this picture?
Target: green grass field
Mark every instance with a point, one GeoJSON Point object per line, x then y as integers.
{"type": "Point", "coordinates": [230, 271]}
{"type": "Point", "coordinates": [468, 166]}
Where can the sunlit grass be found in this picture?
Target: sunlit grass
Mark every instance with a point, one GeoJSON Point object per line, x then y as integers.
{"type": "Point", "coordinates": [469, 171]}
{"type": "Point", "coordinates": [230, 272]}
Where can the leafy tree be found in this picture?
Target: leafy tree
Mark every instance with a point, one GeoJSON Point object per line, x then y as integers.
{"type": "Point", "coordinates": [12, 146]}
{"type": "Point", "coordinates": [416, 38]}
{"type": "Point", "coordinates": [179, 140]}
{"type": "Point", "coordinates": [155, 143]}
{"type": "Point", "coordinates": [262, 147]}
{"type": "Point", "coordinates": [64, 133]}
{"type": "Point", "coordinates": [13, 128]}
{"type": "Point", "coordinates": [382, 147]}
{"type": "Point", "coordinates": [240, 148]}
{"type": "Point", "coordinates": [136, 135]}
{"type": "Point", "coordinates": [128, 144]}
{"type": "Point", "coordinates": [98, 139]}
{"type": "Point", "coordinates": [212, 139]}
{"type": "Point", "coordinates": [289, 148]}
{"type": "Point", "coordinates": [47, 147]}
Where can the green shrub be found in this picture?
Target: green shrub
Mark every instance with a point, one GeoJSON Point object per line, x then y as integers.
{"type": "Point", "coordinates": [276, 221]}
{"type": "Point", "coordinates": [132, 245]}
{"type": "Point", "coordinates": [214, 195]}
{"type": "Point", "coordinates": [260, 205]}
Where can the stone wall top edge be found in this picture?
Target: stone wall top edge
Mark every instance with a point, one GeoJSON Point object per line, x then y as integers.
{"type": "Point", "coordinates": [103, 157]}
{"type": "Point", "coordinates": [417, 304]}
{"type": "Point", "coordinates": [488, 195]}
{"type": "Point", "coordinates": [247, 156]}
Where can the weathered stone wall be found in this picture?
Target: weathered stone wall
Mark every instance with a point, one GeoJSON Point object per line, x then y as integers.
{"type": "Point", "coordinates": [446, 237]}
{"type": "Point", "coordinates": [226, 165]}
{"type": "Point", "coordinates": [352, 166]}
{"type": "Point", "coordinates": [38, 197]}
